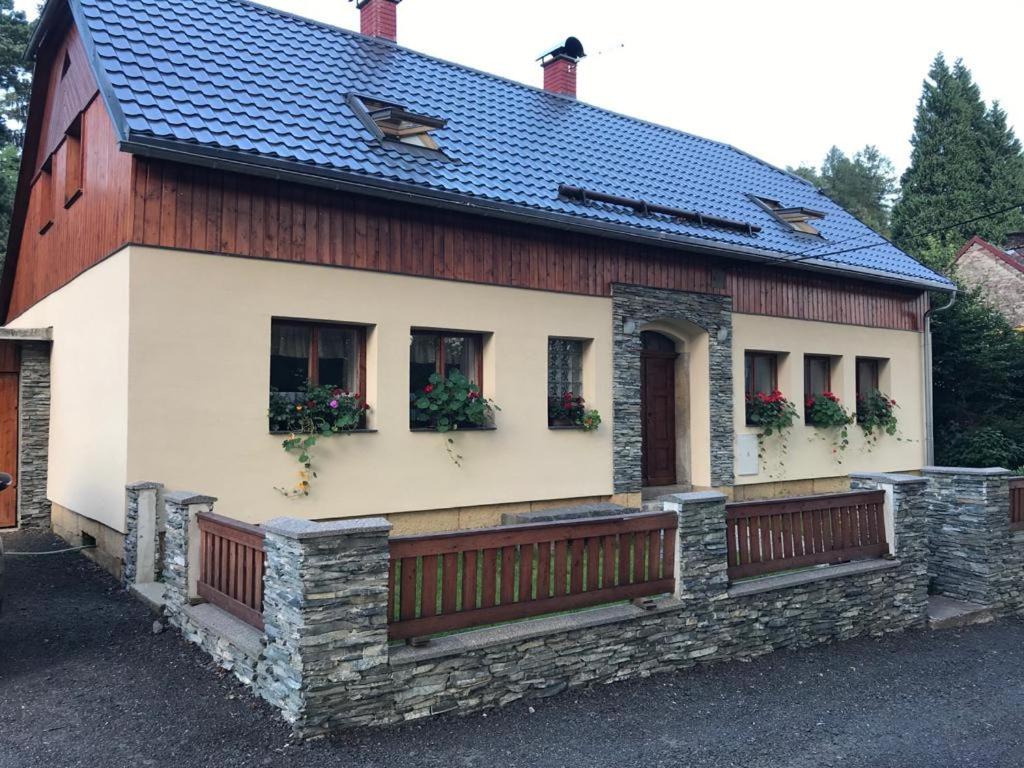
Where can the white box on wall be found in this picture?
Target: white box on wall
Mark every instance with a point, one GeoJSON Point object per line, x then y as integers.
{"type": "Point", "coordinates": [747, 462]}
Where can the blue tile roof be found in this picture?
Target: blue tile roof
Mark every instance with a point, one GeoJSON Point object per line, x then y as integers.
{"type": "Point", "coordinates": [229, 75]}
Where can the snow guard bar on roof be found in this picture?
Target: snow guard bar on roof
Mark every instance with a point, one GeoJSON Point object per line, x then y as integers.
{"type": "Point", "coordinates": [643, 207]}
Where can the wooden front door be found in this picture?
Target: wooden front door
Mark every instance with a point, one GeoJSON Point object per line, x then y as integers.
{"type": "Point", "coordinates": [9, 365]}
{"type": "Point", "coordinates": [658, 409]}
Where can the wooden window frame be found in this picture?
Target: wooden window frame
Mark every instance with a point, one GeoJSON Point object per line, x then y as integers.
{"type": "Point", "coordinates": [748, 360]}
{"type": "Point", "coordinates": [449, 333]}
{"type": "Point", "coordinates": [43, 190]}
{"type": "Point", "coordinates": [827, 360]}
{"type": "Point", "coordinates": [876, 364]}
{"type": "Point", "coordinates": [74, 162]}
{"type": "Point", "coordinates": [313, 362]}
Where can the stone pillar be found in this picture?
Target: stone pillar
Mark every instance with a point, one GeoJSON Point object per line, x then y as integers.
{"type": "Point", "coordinates": [142, 534]}
{"type": "Point", "coordinates": [702, 560]}
{"type": "Point", "coordinates": [325, 665]}
{"type": "Point", "coordinates": [906, 525]}
{"type": "Point", "coordinates": [181, 549]}
{"type": "Point", "coordinates": [969, 512]}
{"type": "Point", "coordinates": [33, 434]}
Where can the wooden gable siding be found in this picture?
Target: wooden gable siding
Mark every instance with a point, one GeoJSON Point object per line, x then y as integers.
{"type": "Point", "coordinates": [192, 208]}
{"type": "Point", "coordinates": [95, 225]}
{"type": "Point", "coordinates": [68, 94]}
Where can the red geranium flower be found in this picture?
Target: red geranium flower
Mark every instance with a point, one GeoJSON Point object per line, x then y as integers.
{"type": "Point", "coordinates": [428, 389]}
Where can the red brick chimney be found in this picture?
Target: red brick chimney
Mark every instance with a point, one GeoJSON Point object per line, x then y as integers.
{"type": "Point", "coordinates": [560, 67]}
{"type": "Point", "coordinates": [379, 18]}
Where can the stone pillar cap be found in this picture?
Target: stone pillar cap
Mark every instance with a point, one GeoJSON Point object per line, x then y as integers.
{"type": "Point", "coordinates": [892, 478]}
{"type": "Point", "coordinates": [295, 528]}
{"type": "Point", "coordinates": [188, 498]}
{"type": "Point", "coordinates": [982, 471]}
{"type": "Point", "coordinates": [143, 485]}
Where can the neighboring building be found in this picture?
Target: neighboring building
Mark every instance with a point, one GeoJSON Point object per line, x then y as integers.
{"type": "Point", "coordinates": [998, 272]}
{"type": "Point", "coordinates": [217, 197]}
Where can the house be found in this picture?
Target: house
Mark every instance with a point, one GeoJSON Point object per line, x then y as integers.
{"type": "Point", "coordinates": [998, 272]}
{"type": "Point", "coordinates": [220, 201]}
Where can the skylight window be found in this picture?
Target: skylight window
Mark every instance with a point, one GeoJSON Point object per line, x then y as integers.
{"type": "Point", "coordinates": [393, 122]}
{"type": "Point", "coordinates": [797, 219]}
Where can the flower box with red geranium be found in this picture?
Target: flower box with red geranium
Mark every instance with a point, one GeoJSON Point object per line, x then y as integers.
{"type": "Point", "coordinates": [876, 413]}
{"type": "Point", "coordinates": [824, 411]}
{"type": "Point", "coordinates": [771, 412]}
{"type": "Point", "coordinates": [315, 412]}
{"type": "Point", "coordinates": [448, 404]}
{"type": "Point", "coordinates": [570, 411]}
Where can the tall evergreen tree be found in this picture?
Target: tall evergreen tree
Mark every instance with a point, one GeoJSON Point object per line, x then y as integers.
{"type": "Point", "coordinates": [966, 161]}
{"type": "Point", "coordinates": [15, 85]}
{"type": "Point", "coordinates": [864, 184]}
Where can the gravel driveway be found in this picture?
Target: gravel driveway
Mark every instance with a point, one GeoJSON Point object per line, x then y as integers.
{"type": "Point", "coordinates": [85, 682]}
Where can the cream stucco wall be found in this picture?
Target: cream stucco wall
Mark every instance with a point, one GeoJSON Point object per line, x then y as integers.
{"type": "Point", "coordinates": [199, 377]}
{"type": "Point", "coordinates": [89, 390]}
{"type": "Point", "coordinates": [810, 450]}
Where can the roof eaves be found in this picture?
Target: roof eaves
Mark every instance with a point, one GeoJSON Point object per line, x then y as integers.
{"type": "Point", "coordinates": [229, 160]}
{"type": "Point", "coordinates": [993, 250]}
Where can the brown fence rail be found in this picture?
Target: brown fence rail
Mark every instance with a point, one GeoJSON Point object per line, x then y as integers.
{"type": "Point", "coordinates": [231, 564]}
{"type": "Point", "coordinates": [1017, 504]}
{"type": "Point", "coordinates": [781, 534]}
{"type": "Point", "coordinates": [447, 581]}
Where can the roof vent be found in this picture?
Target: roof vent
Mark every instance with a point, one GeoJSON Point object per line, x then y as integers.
{"type": "Point", "coordinates": [797, 219]}
{"type": "Point", "coordinates": [560, 67]}
{"type": "Point", "coordinates": [388, 121]}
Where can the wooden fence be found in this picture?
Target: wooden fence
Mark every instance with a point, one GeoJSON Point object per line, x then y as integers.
{"type": "Point", "coordinates": [782, 534]}
{"type": "Point", "coordinates": [231, 564]}
{"type": "Point", "coordinates": [446, 581]}
{"type": "Point", "coordinates": [1017, 504]}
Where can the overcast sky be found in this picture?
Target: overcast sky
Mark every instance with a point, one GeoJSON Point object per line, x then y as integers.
{"type": "Point", "coordinates": [781, 80]}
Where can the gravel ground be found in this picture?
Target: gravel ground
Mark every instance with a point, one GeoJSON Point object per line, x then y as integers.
{"type": "Point", "coordinates": [85, 682]}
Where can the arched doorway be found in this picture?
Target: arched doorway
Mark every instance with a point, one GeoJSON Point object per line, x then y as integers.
{"type": "Point", "coordinates": [658, 408]}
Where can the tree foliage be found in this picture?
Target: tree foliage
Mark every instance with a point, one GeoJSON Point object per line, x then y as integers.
{"type": "Point", "coordinates": [965, 161]}
{"type": "Point", "coordinates": [15, 84]}
{"type": "Point", "coordinates": [864, 185]}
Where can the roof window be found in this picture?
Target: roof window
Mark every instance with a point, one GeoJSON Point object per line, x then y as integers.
{"type": "Point", "coordinates": [396, 123]}
{"type": "Point", "coordinates": [797, 219]}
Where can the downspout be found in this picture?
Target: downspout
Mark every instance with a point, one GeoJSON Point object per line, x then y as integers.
{"type": "Point", "coordinates": [926, 356]}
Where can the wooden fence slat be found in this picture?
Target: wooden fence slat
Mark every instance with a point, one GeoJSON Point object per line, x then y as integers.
{"type": "Point", "coordinates": [607, 562]}
{"type": "Point", "coordinates": [576, 577]}
{"type": "Point", "coordinates": [543, 570]}
{"type": "Point", "coordinates": [449, 582]}
{"type": "Point", "coordinates": [508, 575]}
{"type": "Point", "coordinates": [469, 581]}
{"type": "Point", "coordinates": [428, 602]}
{"type": "Point", "coordinates": [489, 578]}
{"type": "Point", "coordinates": [525, 592]}
{"type": "Point", "coordinates": [561, 574]}
{"type": "Point", "coordinates": [593, 563]}
{"type": "Point", "coordinates": [410, 567]}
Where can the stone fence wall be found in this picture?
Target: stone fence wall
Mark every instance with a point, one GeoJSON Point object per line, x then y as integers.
{"type": "Point", "coordinates": [325, 662]}
{"type": "Point", "coordinates": [973, 554]}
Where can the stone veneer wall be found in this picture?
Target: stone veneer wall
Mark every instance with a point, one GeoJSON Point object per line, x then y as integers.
{"type": "Point", "coordinates": [33, 434]}
{"type": "Point", "coordinates": [973, 554]}
{"type": "Point", "coordinates": [327, 664]}
{"type": "Point", "coordinates": [632, 308]}
{"type": "Point", "coordinates": [133, 492]}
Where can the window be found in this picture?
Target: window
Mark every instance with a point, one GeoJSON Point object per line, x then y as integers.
{"type": "Point", "coordinates": [817, 375]}
{"type": "Point", "coordinates": [565, 378]}
{"type": "Point", "coordinates": [318, 353]}
{"type": "Point", "coordinates": [395, 122]}
{"type": "Point", "coordinates": [66, 65]}
{"type": "Point", "coordinates": [73, 159]}
{"type": "Point", "coordinates": [443, 352]}
{"type": "Point", "coordinates": [43, 192]}
{"type": "Point", "coordinates": [797, 219]}
{"type": "Point", "coordinates": [761, 372]}
{"type": "Point", "coordinates": [867, 376]}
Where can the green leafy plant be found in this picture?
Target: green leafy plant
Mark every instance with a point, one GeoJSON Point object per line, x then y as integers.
{"type": "Point", "coordinates": [448, 404]}
{"type": "Point", "coordinates": [317, 411]}
{"type": "Point", "coordinates": [824, 411]}
{"type": "Point", "coordinates": [773, 414]}
{"type": "Point", "coordinates": [571, 410]}
{"type": "Point", "coordinates": [876, 414]}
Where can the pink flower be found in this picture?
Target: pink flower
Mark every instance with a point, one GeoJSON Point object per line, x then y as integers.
{"type": "Point", "coordinates": [334, 403]}
{"type": "Point", "coordinates": [429, 388]}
